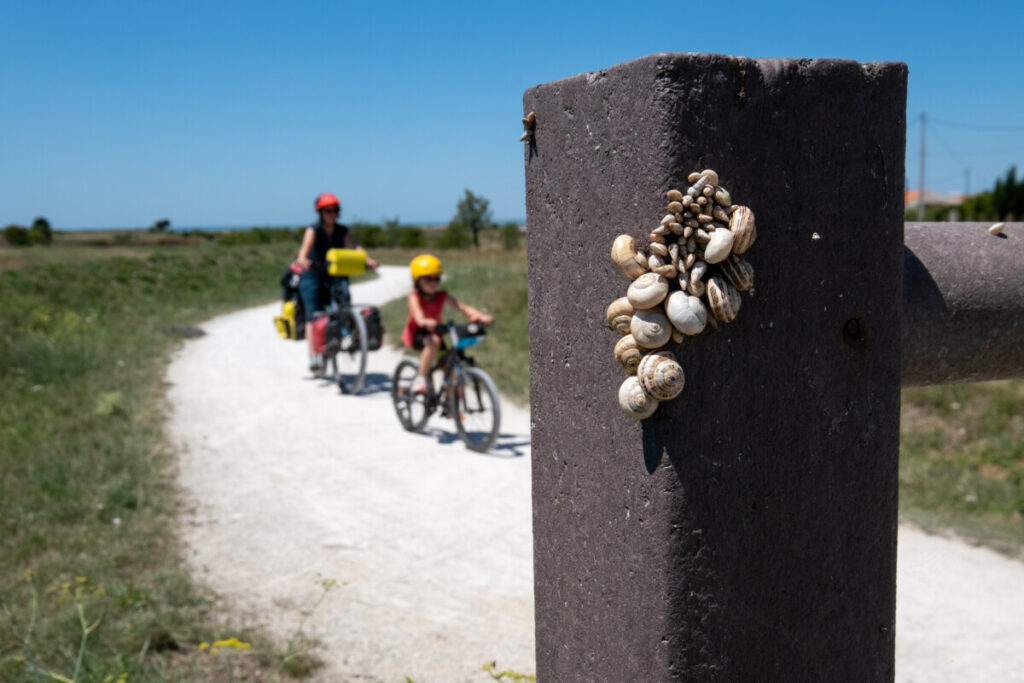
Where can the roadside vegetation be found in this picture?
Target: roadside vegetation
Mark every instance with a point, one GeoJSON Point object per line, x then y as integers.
{"type": "Point", "coordinates": [92, 585]}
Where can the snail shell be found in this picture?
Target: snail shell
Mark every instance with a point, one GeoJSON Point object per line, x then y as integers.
{"type": "Point", "coordinates": [618, 315]}
{"type": "Point", "coordinates": [686, 313]}
{"type": "Point", "coordinates": [739, 272]}
{"type": "Point", "coordinates": [647, 291]}
{"type": "Point", "coordinates": [628, 354]}
{"type": "Point", "coordinates": [710, 175]}
{"type": "Point", "coordinates": [676, 207]}
{"type": "Point", "coordinates": [719, 246]}
{"type": "Point", "coordinates": [625, 257]}
{"type": "Point", "coordinates": [741, 223]}
{"type": "Point", "coordinates": [723, 299]}
{"type": "Point", "coordinates": [660, 375]}
{"type": "Point", "coordinates": [674, 196]}
{"type": "Point", "coordinates": [722, 197]}
{"type": "Point", "coordinates": [659, 248]}
{"type": "Point", "coordinates": [650, 328]}
{"type": "Point", "coordinates": [634, 401]}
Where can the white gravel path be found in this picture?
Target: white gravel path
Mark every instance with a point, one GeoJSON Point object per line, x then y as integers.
{"type": "Point", "coordinates": [286, 481]}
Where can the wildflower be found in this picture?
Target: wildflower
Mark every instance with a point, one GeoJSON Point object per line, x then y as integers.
{"type": "Point", "coordinates": [231, 643]}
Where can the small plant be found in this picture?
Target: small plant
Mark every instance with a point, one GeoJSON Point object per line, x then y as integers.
{"type": "Point", "coordinates": [510, 674]}
{"type": "Point", "coordinates": [296, 659]}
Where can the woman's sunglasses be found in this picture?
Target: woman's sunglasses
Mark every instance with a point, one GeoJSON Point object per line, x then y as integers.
{"type": "Point", "coordinates": [332, 209]}
{"type": "Point", "coordinates": [431, 278]}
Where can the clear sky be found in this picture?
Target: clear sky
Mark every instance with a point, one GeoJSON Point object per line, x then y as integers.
{"type": "Point", "coordinates": [115, 114]}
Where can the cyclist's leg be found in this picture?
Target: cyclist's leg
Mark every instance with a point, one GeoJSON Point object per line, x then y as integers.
{"type": "Point", "coordinates": [430, 344]}
{"type": "Point", "coordinates": [310, 287]}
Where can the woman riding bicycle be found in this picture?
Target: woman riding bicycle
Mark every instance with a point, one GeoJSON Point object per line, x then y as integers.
{"type": "Point", "coordinates": [314, 283]}
{"type": "Point", "coordinates": [426, 303]}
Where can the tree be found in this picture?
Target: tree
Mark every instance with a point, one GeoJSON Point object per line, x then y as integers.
{"type": "Point", "coordinates": [17, 236]}
{"type": "Point", "coordinates": [1005, 202]}
{"type": "Point", "coordinates": [41, 232]}
{"type": "Point", "coordinates": [473, 215]}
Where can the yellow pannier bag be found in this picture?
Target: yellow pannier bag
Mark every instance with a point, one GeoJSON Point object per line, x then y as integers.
{"type": "Point", "coordinates": [285, 323]}
{"type": "Point", "coordinates": [342, 262]}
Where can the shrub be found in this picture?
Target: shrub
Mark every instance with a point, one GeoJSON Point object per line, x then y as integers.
{"type": "Point", "coordinates": [410, 237]}
{"type": "Point", "coordinates": [455, 236]}
{"type": "Point", "coordinates": [41, 232]}
{"type": "Point", "coordinates": [17, 236]}
{"type": "Point", "coordinates": [511, 236]}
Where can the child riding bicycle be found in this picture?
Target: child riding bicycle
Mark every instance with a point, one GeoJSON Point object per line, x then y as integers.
{"type": "Point", "coordinates": [426, 303]}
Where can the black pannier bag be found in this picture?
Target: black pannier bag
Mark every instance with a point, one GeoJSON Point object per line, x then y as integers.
{"type": "Point", "coordinates": [374, 327]}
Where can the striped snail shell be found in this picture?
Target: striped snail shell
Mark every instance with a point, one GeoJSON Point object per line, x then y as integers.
{"type": "Point", "coordinates": [741, 224]}
{"type": "Point", "coordinates": [634, 401]}
{"type": "Point", "coordinates": [723, 299]}
{"type": "Point", "coordinates": [660, 375]}
{"type": "Point", "coordinates": [628, 354]}
{"type": "Point", "coordinates": [618, 315]}
{"type": "Point", "coordinates": [739, 272]}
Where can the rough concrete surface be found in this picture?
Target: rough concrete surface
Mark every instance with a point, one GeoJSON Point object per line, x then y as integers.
{"type": "Point", "coordinates": [284, 480]}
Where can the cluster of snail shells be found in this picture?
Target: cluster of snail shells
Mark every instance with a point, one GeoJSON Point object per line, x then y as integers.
{"type": "Point", "coordinates": [693, 264]}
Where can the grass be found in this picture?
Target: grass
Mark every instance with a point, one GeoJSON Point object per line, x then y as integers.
{"type": "Point", "coordinates": [495, 282]}
{"type": "Point", "coordinates": [962, 461]}
{"type": "Point", "coordinates": [88, 510]}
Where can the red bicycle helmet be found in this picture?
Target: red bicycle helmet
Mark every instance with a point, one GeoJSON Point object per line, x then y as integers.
{"type": "Point", "coordinates": [326, 199]}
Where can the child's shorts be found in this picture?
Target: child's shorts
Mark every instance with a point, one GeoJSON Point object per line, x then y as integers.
{"type": "Point", "coordinates": [418, 337]}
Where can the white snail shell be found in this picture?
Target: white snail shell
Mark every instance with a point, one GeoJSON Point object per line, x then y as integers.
{"type": "Point", "coordinates": [634, 401]}
{"type": "Point", "coordinates": [719, 246]}
{"type": "Point", "coordinates": [618, 315]}
{"type": "Point", "coordinates": [686, 313]}
{"type": "Point", "coordinates": [660, 375]}
{"type": "Point", "coordinates": [723, 299]}
{"type": "Point", "coordinates": [647, 291]}
{"type": "Point", "coordinates": [741, 224]}
{"type": "Point", "coordinates": [628, 354]}
{"type": "Point", "coordinates": [625, 257]}
{"type": "Point", "coordinates": [650, 328]}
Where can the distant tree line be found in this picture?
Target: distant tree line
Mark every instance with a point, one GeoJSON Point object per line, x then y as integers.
{"type": "Point", "coordinates": [1005, 202]}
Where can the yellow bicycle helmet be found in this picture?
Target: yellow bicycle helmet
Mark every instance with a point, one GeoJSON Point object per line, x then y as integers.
{"type": "Point", "coordinates": [425, 264]}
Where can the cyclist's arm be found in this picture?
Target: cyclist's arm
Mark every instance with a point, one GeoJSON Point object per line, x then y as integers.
{"type": "Point", "coordinates": [350, 242]}
{"type": "Point", "coordinates": [416, 311]}
{"type": "Point", "coordinates": [469, 311]}
{"type": "Point", "coordinates": [307, 243]}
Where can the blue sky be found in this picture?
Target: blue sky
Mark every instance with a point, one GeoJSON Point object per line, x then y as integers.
{"type": "Point", "coordinates": [213, 113]}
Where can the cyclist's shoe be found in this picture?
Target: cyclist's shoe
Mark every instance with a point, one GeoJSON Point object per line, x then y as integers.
{"type": "Point", "coordinates": [419, 385]}
{"type": "Point", "coordinates": [316, 367]}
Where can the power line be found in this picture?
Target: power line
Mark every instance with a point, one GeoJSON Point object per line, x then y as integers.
{"type": "Point", "coordinates": [979, 127]}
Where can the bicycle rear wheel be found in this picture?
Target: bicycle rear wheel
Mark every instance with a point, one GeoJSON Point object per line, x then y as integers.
{"type": "Point", "coordinates": [476, 409]}
{"type": "Point", "coordinates": [411, 408]}
{"type": "Point", "coordinates": [347, 366]}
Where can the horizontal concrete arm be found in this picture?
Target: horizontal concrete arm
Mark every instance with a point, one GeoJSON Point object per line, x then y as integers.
{"type": "Point", "coordinates": [963, 303]}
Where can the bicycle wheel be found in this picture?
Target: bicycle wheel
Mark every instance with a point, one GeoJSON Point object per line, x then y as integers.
{"type": "Point", "coordinates": [411, 408]}
{"type": "Point", "coordinates": [348, 364]}
{"type": "Point", "coordinates": [476, 409]}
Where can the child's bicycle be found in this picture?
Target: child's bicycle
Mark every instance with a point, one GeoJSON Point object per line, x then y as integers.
{"type": "Point", "coordinates": [467, 394]}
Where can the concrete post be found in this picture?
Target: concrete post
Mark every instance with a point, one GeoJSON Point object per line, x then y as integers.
{"type": "Point", "coordinates": [747, 531]}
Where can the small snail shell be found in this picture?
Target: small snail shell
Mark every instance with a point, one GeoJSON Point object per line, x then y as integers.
{"type": "Point", "coordinates": [628, 354]}
{"type": "Point", "coordinates": [739, 272]}
{"type": "Point", "coordinates": [710, 175]}
{"type": "Point", "coordinates": [650, 328]}
{"type": "Point", "coordinates": [723, 299]}
{"type": "Point", "coordinates": [719, 246]}
{"type": "Point", "coordinates": [647, 291]}
{"type": "Point", "coordinates": [741, 223]}
{"type": "Point", "coordinates": [722, 197]}
{"type": "Point", "coordinates": [634, 401]}
{"type": "Point", "coordinates": [659, 248]}
{"type": "Point", "coordinates": [674, 196]}
{"type": "Point", "coordinates": [660, 375]}
{"type": "Point", "coordinates": [624, 256]}
{"type": "Point", "coordinates": [686, 313]}
{"type": "Point", "coordinates": [675, 207]}
{"type": "Point", "coordinates": [618, 315]}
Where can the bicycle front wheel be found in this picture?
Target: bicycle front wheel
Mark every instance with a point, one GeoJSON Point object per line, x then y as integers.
{"type": "Point", "coordinates": [411, 408]}
{"type": "Point", "coordinates": [348, 365]}
{"type": "Point", "coordinates": [476, 409]}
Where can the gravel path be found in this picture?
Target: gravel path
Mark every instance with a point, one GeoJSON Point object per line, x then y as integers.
{"type": "Point", "coordinates": [288, 482]}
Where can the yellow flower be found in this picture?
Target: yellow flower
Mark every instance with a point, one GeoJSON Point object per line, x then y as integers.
{"type": "Point", "coordinates": [231, 642]}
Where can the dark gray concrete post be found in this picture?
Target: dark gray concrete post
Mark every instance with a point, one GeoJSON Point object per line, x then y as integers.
{"type": "Point", "coordinates": [747, 531]}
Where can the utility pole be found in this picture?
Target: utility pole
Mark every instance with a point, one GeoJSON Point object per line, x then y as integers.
{"type": "Point", "coordinates": [920, 196]}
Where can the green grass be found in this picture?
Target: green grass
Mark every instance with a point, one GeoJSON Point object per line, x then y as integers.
{"type": "Point", "coordinates": [494, 282]}
{"type": "Point", "coordinates": [962, 461]}
{"type": "Point", "coordinates": [86, 485]}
